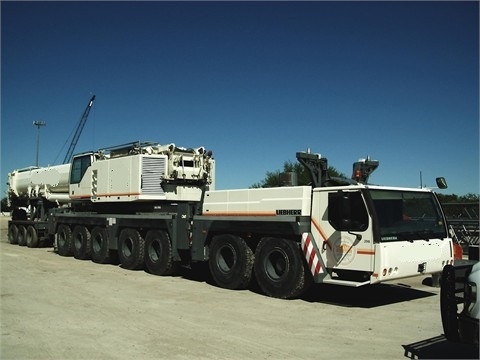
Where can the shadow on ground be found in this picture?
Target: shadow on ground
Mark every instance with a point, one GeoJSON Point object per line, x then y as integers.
{"type": "Point", "coordinates": [439, 347]}
{"type": "Point", "coordinates": [364, 297]}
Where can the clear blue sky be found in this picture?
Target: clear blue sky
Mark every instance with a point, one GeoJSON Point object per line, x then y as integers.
{"type": "Point", "coordinates": [254, 82]}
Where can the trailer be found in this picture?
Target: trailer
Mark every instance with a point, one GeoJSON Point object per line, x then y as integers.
{"type": "Point", "coordinates": [154, 207]}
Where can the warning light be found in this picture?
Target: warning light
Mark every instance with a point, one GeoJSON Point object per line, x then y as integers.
{"type": "Point", "coordinates": [358, 175]}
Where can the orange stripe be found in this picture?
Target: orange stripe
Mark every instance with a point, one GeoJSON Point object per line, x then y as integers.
{"type": "Point", "coordinates": [319, 229]}
{"type": "Point", "coordinates": [80, 197]}
{"type": "Point", "coordinates": [322, 233]}
{"type": "Point", "coordinates": [104, 195]}
{"type": "Point", "coordinates": [119, 194]}
{"type": "Point", "coordinates": [366, 252]}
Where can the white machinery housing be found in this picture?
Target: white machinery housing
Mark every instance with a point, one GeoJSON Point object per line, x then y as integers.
{"type": "Point", "coordinates": [141, 172]}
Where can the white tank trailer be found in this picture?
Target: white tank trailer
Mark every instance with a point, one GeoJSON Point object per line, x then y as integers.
{"type": "Point", "coordinates": [49, 182]}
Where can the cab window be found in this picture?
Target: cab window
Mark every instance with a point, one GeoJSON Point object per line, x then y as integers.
{"type": "Point", "coordinates": [79, 167]}
{"type": "Point", "coordinates": [347, 211]}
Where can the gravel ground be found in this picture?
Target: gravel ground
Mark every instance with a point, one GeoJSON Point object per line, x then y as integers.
{"type": "Point", "coordinates": [54, 307]}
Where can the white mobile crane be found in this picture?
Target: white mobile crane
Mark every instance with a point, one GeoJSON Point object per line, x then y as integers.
{"type": "Point", "coordinates": [155, 206]}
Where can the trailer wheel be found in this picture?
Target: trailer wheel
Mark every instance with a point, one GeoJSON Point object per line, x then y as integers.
{"type": "Point", "coordinates": [230, 262]}
{"type": "Point", "coordinates": [158, 253]}
{"type": "Point", "coordinates": [31, 237]}
{"type": "Point", "coordinates": [64, 240]}
{"type": "Point", "coordinates": [101, 253]}
{"type": "Point", "coordinates": [82, 243]}
{"type": "Point", "coordinates": [13, 234]}
{"type": "Point", "coordinates": [131, 249]}
{"type": "Point", "coordinates": [448, 304]}
{"type": "Point", "coordinates": [279, 268]}
{"type": "Point", "coordinates": [22, 235]}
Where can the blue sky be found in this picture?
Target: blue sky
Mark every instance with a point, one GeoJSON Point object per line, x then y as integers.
{"type": "Point", "coordinates": [255, 82]}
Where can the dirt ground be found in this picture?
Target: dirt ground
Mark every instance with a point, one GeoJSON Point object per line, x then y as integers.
{"type": "Point", "coordinates": [54, 307]}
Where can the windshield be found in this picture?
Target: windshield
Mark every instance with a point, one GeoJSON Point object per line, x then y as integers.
{"type": "Point", "coordinates": [404, 215]}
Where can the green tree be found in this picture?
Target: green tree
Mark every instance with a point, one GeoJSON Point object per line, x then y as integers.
{"type": "Point", "coordinates": [453, 198]}
{"type": "Point", "coordinates": [272, 178]}
{"type": "Point", "coordinates": [4, 205]}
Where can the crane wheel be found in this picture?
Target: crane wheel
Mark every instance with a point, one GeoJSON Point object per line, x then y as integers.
{"type": "Point", "coordinates": [230, 262]}
{"type": "Point", "coordinates": [22, 236]}
{"type": "Point", "coordinates": [101, 253]}
{"type": "Point", "coordinates": [82, 243]}
{"type": "Point", "coordinates": [64, 240]}
{"type": "Point", "coordinates": [31, 237]}
{"type": "Point", "coordinates": [158, 253]}
{"type": "Point", "coordinates": [279, 268]}
{"type": "Point", "coordinates": [131, 249]}
{"type": "Point", "coordinates": [13, 234]}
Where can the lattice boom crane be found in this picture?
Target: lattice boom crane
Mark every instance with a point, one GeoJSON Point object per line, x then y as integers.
{"type": "Point", "coordinates": [78, 131]}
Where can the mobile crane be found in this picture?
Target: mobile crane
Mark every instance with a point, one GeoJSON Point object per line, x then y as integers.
{"type": "Point", "coordinates": [155, 207]}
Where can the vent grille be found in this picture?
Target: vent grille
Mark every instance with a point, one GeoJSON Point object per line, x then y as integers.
{"type": "Point", "coordinates": [153, 171]}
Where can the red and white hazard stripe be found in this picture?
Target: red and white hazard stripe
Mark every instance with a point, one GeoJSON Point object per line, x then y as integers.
{"type": "Point", "coordinates": [311, 255]}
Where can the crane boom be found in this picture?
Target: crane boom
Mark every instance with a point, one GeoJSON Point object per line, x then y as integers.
{"type": "Point", "coordinates": [78, 131]}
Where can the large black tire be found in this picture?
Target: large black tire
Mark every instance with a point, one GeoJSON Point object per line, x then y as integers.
{"type": "Point", "coordinates": [22, 236]}
{"type": "Point", "coordinates": [448, 304]}
{"type": "Point", "coordinates": [279, 268]}
{"type": "Point", "coordinates": [13, 234]}
{"type": "Point", "coordinates": [101, 253]}
{"type": "Point", "coordinates": [158, 253]}
{"type": "Point", "coordinates": [230, 262]}
{"type": "Point", "coordinates": [131, 249]}
{"type": "Point", "coordinates": [82, 243]}
{"type": "Point", "coordinates": [64, 240]}
{"type": "Point", "coordinates": [31, 237]}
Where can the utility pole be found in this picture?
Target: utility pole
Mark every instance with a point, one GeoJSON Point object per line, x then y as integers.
{"type": "Point", "coordinates": [38, 124]}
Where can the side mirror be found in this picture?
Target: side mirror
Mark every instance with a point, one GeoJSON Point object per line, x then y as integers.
{"type": "Point", "coordinates": [441, 182]}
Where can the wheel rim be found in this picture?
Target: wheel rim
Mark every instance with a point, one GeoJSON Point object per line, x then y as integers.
{"type": "Point", "coordinates": [21, 235]}
{"type": "Point", "coordinates": [155, 251]}
{"type": "Point", "coordinates": [12, 234]}
{"type": "Point", "coordinates": [276, 264]}
{"type": "Point", "coordinates": [61, 238]}
{"type": "Point", "coordinates": [127, 248]}
{"type": "Point", "coordinates": [78, 240]}
{"type": "Point", "coordinates": [97, 243]}
{"type": "Point", "coordinates": [226, 258]}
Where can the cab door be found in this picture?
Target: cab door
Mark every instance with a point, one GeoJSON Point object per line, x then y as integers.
{"type": "Point", "coordinates": [340, 217]}
{"type": "Point", "coordinates": [80, 187]}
